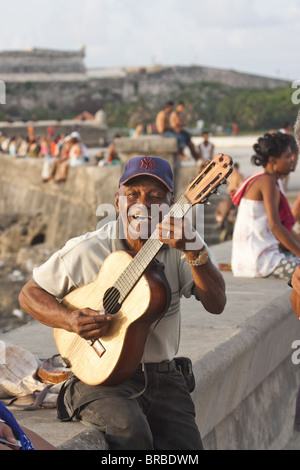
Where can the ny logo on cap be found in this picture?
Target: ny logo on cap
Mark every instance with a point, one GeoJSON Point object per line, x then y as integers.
{"type": "Point", "coordinates": [148, 164]}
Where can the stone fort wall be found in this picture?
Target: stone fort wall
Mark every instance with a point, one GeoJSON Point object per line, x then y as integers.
{"type": "Point", "coordinates": [41, 61]}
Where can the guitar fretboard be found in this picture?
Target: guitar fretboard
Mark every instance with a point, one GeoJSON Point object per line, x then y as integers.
{"type": "Point", "coordinates": [143, 258]}
{"type": "Point", "coordinates": [206, 183]}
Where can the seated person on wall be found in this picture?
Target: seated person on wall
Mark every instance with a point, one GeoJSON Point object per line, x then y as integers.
{"type": "Point", "coordinates": [177, 123]}
{"type": "Point", "coordinates": [163, 120]}
{"type": "Point", "coordinates": [112, 156]}
{"type": "Point", "coordinates": [60, 164]}
{"type": "Point", "coordinates": [206, 150]}
{"type": "Point", "coordinates": [71, 155]}
{"type": "Point", "coordinates": [139, 130]}
{"type": "Point", "coordinates": [152, 408]}
{"type": "Point", "coordinates": [264, 243]}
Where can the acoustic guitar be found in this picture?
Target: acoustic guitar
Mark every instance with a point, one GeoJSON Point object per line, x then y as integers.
{"type": "Point", "coordinates": [134, 291]}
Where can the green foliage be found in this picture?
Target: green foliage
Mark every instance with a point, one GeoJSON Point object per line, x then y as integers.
{"type": "Point", "coordinates": [258, 109]}
{"type": "Point", "coordinates": [215, 103]}
{"type": "Point", "coordinates": [129, 114]}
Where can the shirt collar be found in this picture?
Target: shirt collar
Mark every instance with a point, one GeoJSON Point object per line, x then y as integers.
{"type": "Point", "coordinates": [119, 239]}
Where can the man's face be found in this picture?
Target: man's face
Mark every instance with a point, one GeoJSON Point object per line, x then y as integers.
{"type": "Point", "coordinates": [141, 204]}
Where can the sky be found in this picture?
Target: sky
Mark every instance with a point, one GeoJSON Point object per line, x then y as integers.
{"type": "Point", "coordinates": [255, 36]}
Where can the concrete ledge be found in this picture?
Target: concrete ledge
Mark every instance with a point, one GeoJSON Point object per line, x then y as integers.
{"type": "Point", "coordinates": [147, 145]}
{"type": "Point", "coordinates": [91, 439]}
{"type": "Point", "coordinates": [70, 209]}
{"type": "Point", "coordinates": [246, 384]}
{"type": "Point", "coordinates": [239, 383]}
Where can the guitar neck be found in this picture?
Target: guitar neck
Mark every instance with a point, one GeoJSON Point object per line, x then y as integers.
{"type": "Point", "coordinates": [147, 253]}
{"type": "Point", "coordinates": [207, 181]}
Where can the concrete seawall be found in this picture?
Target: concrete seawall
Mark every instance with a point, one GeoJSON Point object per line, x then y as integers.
{"type": "Point", "coordinates": [70, 208]}
{"type": "Point", "coordinates": [246, 381]}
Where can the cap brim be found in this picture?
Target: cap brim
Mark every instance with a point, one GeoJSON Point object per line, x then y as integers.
{"type": "Point", "coordinates": [151, 176]}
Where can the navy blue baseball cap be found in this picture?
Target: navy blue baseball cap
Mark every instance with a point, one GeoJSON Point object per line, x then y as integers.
{"type": "Point", "coordinates": [157, 167]}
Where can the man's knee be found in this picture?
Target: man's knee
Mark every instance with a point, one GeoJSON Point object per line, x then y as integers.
{"type": "Point", "coordinates": [124, 424]}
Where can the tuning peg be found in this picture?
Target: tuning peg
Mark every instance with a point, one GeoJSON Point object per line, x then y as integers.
{"type": "Point", "coordinates": [215, 191]}
{"type": "Point", "coordinates": [208, 203]}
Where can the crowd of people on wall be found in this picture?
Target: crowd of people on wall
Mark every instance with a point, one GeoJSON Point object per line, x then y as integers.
{"type": "Point", "coordinates": [171, 122]}
{"type": "Point", "coordinates": [58, 152]}
{"type": "Point", "coordinates": [62, 151]}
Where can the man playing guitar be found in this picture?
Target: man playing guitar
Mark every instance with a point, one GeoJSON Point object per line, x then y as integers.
{"type": "Point", "coordinates": [152, 408]}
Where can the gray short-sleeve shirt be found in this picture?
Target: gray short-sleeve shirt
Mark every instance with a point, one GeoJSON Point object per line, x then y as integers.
{"type": "Point", "coordinates": [78, 263]}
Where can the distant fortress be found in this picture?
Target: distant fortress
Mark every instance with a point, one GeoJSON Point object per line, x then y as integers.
{"type": "Point", "coordinates": [51, 84]}
{"type": "Point", "coordinates": [38, 65]}
{"type": "Point", "coordinates": [44, 61]}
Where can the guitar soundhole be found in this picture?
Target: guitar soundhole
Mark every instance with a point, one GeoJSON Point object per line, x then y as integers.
{"type": "Point", "coordinates": [111, 301]}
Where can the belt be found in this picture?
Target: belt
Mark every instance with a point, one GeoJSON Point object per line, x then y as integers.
{"type": "Point", "coordinates": [158, 366]}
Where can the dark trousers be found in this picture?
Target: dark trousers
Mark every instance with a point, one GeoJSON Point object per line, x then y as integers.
{"type": "Point", "coordinates": [160, 418]}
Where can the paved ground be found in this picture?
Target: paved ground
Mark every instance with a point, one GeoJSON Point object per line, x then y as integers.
{"type": "Point", "coordinates": [201, 332]}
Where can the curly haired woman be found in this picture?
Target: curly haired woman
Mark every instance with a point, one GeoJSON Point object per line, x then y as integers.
{"type": "Point", "coordinates": [264, 243]}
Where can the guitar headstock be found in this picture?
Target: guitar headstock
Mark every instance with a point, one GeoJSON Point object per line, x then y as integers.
{"type": "Point", "coordinates": [213, 175]}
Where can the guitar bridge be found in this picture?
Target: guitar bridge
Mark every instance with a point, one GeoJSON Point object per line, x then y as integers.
{"type": "Point", "coordinates": [98, 347]}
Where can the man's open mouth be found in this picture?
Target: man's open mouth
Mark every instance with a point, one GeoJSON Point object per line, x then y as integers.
{"type": "Point", "coordinates": [141, 217]}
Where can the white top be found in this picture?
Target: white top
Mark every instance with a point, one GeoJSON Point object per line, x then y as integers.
{"type": "Point", "coordinates": [255, 250]}
{"type": "Point", "coordinates": [79, 263]}
{"type": "Point", "coordinates": [206, 150]}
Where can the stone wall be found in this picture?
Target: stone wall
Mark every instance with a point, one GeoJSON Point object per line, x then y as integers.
{"type": "Point", "coordinates": [70, 209]}
{"type": "Point", "coordinates": [247, 386]}
{"type": "Point", "coordinates": [41, 61]}
{"type": "Point", "coordinates": [66, 90]}
{"type": "Point", "coordinates": [171, 77]}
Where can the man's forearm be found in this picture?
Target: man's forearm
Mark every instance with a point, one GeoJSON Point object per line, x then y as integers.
{"type": "Point", "coordinates": [209, 287]}
{"type": "Point", "coordinates": [43, 306]}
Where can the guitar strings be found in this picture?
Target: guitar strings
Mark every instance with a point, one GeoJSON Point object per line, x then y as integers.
{"type": "Point", "coordinates": [139, 263]}
{"type": "Point", "coordinates": [129, 277]}
{"type": "Point", "coordinates": [136, 267]}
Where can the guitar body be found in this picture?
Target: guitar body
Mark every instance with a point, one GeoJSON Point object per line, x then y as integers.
{"type": "Point", "coordinates": [123, 344]}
